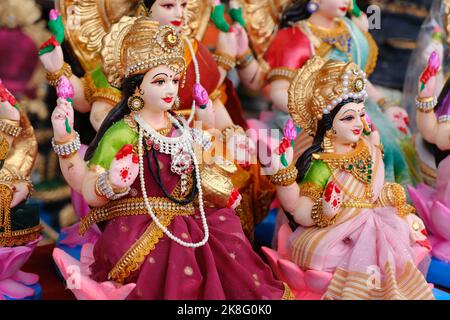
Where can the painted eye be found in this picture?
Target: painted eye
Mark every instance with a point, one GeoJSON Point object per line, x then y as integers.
{"type": "Point", "coordinates": [176, 81]}
{"type": "Point", "coordinates": [184, 5]}
{"type": "Point", "coordinates": [168, 6]}
{"type": "Point", "coordinates": [159, 82]}
{"type": "Point", "coordinates": [349, 118]}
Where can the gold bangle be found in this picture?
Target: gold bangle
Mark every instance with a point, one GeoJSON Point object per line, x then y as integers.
{"type": "Point", "coordinates": [232, 129]}
{"type": "Point", "coordinates": [4, 147]}
{"type": "Point", "coordinates": [281, 73]}
{"type": "Point", "coordinates": [425, 99]}
{"type": "Point", "coordinates": [425, 110]}
{"type": "Point", "coordinates": [317, 215]}
{"type": "Point", "coordinates": [285, 177]}
{"type": "Point", "coordinates": [311, 190]}
{"type": "Point", "coordinates": [225, 61]}
{"type": "Point", "coordinates": [384, 103]}
{"type": "Point", "coordinates": [10, 127]}
{"type": "Point", "coordinates": [97, 190]}
{"type": "Point", "coordinates": [53, 77]}
{"type": "Point", "coordinates": [243, 61]}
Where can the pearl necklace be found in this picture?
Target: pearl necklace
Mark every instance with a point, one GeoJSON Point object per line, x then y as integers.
{"type": "Point", "coordinates": [144, 126]}
{"type": "Point", "coordinates": [197, 74]}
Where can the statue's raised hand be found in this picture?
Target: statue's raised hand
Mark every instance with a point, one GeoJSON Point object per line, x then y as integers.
{"type": "Point", "coordinates": [427, 80]}
{"type": "Point", "coordinates": [332, 200]}
{"type": "Point", "coordinates": [124, 168]}
{"type": "Point", "coordinates": [8, 105]}
{"type": "Point", "coordinates": [63, 111]}
{"type": "Point", "coordinates": [50, 53]}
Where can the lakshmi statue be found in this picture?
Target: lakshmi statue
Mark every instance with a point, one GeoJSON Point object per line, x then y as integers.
{"type": "Point", "coordinates": [434, 36]}
{"type": "Point", "coordinates": [169, 228]}
{"type": "Point", "coordinates": [19, 222]}
{"type": "Point", "coordinates": [354, 236]}
{"type": "Point", "coordinates": [94, 94]}
{"type": "Point", "coordinates": [321, 28]}
{"type": "Point", "coordinates": [433, 122]}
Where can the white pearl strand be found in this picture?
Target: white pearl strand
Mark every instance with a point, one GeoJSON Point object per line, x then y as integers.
{"type": "Point", "coordinates": [197, 74]}
{"type": "Point", "coordinates": [199, 187]}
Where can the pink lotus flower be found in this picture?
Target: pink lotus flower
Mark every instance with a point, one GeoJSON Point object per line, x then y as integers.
{"type": "Point", "coordinates": [434, 62]}
{"type": "Point", "coordinates": [289, 131]}
{"type": "Point", "coordinates": [64, 89]}
{"type": "Point", "coordinates": [54, 14]}
{"type": "Point", "coordinates": [200, 95]}
{"type": "Point", "coordinates": [13, 282]}
{"type": "Point", "coordinates": [77, 275]}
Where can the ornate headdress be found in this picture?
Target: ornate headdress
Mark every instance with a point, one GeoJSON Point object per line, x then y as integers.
{"type": "Point", "coordinates": [136, 45]}
{"type": "Point", "coordinates": [321, 85]}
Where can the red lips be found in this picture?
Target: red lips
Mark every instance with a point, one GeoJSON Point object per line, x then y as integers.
{"type": "Point", "coordinates": [168, 99]}
{"type": "Point", "coordinates": [343, 9]}
{"type": "Point", "coordinates": [176, 23]}
{"type": "Point", "coordinates": [356, 131]}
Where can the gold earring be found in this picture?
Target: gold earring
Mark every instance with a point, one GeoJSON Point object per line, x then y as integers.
{"type": "Point", "coordinates": [135, 103]}
{"type": "Point", "coordinates": [327, 144]}
{"type": "Point", "coordinates": [176, 104]}
{"type": "Point", "coordinates": [367, 129]}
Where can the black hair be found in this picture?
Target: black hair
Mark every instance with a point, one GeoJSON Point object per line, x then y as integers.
{"type": "Point", "coordinates": [439, 154]}
{"type": "Point", "coordinates": [294, 13]}
{"type": "Point", "coordinates": [326, 123]}
{"type": "Point", "coordinates": [129, 86]}
{"type": "Point", "coordinates": [148, 4]}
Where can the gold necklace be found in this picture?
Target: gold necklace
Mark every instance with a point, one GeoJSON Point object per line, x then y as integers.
{"type": "Point", "coordinates": [338, 37]}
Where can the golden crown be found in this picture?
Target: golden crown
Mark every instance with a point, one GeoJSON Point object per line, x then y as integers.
{"type": "Point", "coordinates": [321, 85]}
{"type": "Point", "coordinates": [135, 45]}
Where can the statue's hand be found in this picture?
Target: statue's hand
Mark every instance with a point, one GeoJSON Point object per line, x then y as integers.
{"type": "Point", "coordinates": [332, 200]}
{"type": "Point", "coordinates": [235, 199]}
{"type": "Point", "coordinates": [361, 22]}
{"type": "Point", "coordinates": [53, 61]}
{"type": "Point", "coordinates": [242, 148]}
{"type": "Point", "coordinates": [226, 43]}
{"type": "Point", "coordinates": [275, 161]}
{"type": "Point", "coordinates": [124, 168]}
{"type": "Point", "coordinates": [418, 232]}
{"type": "Point", "coordinates": [427, 80]}
{"type": "Point", "coordinates": [7, 103]}
{"type": "Point", "coordinates": [399, 117]}
{"type": "Point", "coordinates": [241, 39]}
{"type": "Point", "coordinates": [63, 111]}
{"type": "Point", "coordinates": [20, 194]}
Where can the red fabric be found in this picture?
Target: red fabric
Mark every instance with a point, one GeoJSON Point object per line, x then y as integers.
{"type": "Point", "coordinates": [209, 77]}
{"type": "Point", "coordinates": [225, 268]}
{"type": "Point", "coordinates": [290, 49]}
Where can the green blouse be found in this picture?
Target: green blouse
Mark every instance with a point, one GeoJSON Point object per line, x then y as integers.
{"type": "Point", "coordinates": [118, 135]}
{"type": "Point", "coordinates": [319, 173]}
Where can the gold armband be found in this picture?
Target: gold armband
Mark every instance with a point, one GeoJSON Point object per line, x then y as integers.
{"type": "Point", "coordinates": [311, 190]}
{"type": "Point", "coordinates": [285, 177]}
{"type": "Point", "coordinates": [10, 127]}
{"type": "Point", "coordinates": [225, 61]}
{"type": "Point", "coordinates": [317, 215]}
{"type": "Point", "coordinates": [53, 77]}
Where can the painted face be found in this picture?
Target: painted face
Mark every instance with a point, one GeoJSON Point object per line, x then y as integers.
{"type": "Point", "coordinates": [160, 87]}
{"type": "Point", "coordinates": [169, 12]}
{"type": "Point", "coordinates": [334, 8]}
{"type": "Point", "coordinates": [347, 123]}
